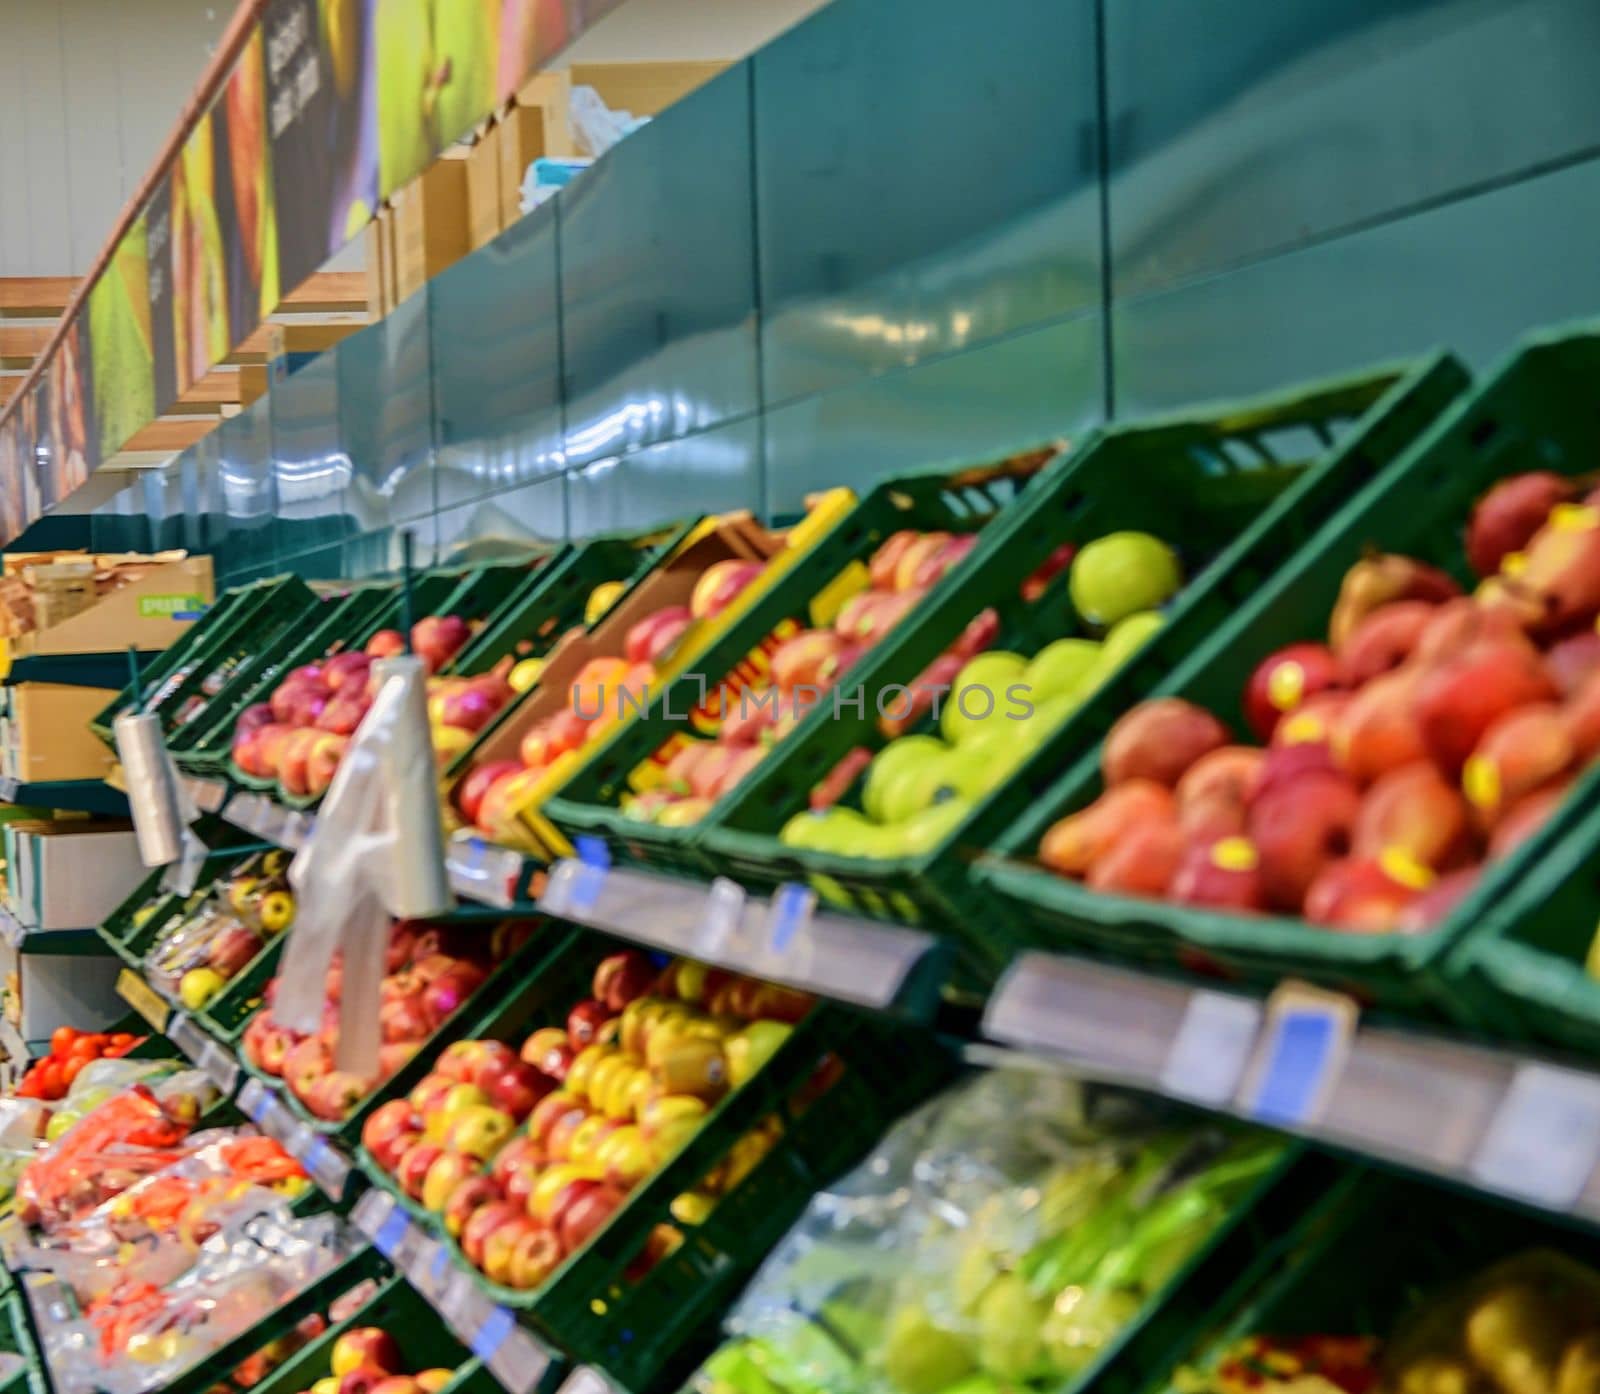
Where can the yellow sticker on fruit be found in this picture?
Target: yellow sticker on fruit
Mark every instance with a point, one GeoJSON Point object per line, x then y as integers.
{"type": "Point", "coordinates": [1480, 782]}
{"type": "Point", "coordinates": [1234, 854]}
{"type": "Point", "coordinates": [1513, 564]}
{"type": "Point", "coordinates": [1574, 517]}
{"type": "Point", "coordinates": [1399, 865]}
{"type": "Point", "coordinates": [1302, 729]}
{"type": "Point", "coordinates": [1286, 685]}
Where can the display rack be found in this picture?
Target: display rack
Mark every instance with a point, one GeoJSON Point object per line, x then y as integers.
{"type": "Point", "coordinates": [66, 795]}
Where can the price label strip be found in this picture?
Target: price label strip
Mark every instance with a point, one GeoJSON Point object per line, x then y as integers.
{"type": "Point", "coordinates": [371, 1213]}
{"type": "Point", "coordinates": [517, 1360]}
{"type": "Point", "coordinates": [1300, 1056]}
{"type": "Point", "coordinates": [723, 920]}
{"type": "Point", "coordinates": [481, 872]}
{"type": "Point", "coordinates": [220, 1067]}
{"type": "Point", "coordinates": [144, 999]}
{"type": "Point", "coordinates": [327, 1166]}
{"type": "Point", "coordinates": [1211, 1049]}
{"type": "Point", "coordinates": [1544, 1140]}
{"type": "Point", "coordinates": [789, 916]}
{"type": "Point", "coordinates": [188, 1037]}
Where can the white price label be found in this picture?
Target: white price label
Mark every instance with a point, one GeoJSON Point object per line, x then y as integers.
{"type": "Point", "coordinates": [520, 1362]}
{"type": "Point", "coordinates": [256, 1103]}
{"type": "Point", "coordinates": [427, 1267]}
{"type": "Point", "coordinates": [220, 1066]}
{"type": "Point", "coordinates": [724, 915]}
{"type": "Point", "coordinates": [188, 1037]}
{"type": "Point", "coordinates": [1211, 1048]}
{"type": "Point", "coordinates": [1544, 1140]}
{"type": "Point", "coordinates": [12, 930]}
{"type": "Point", "coordinates": [370, 1212]}
{"type": "Point", "coordinates": [587, 1380]}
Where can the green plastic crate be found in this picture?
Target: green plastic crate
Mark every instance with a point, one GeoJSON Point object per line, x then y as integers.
{"type": "Point", "coordinates": [205, 737]}
{"type": "Point", "coordinates": [423, 1339]}
{"type": "Point", "coordinates": [16, 1338]}
{"type": "Point", "coordinates": [962, 496]}
{"type": "Point", "coordinates": [271, 608]}
{"type": "Point", "coordinates": [1532, 411]}
{"type": "Point", "coordinates": [180, 657]}
{"type": "Point", "coordinates": [1357, 1263]}
{"type": "Point", "coordinates": [362, 1264]}
{"type": "Point", "coordinates": [534, 617]}
{"type": "Point", "coordinates": [638, 1329]}
{"type": "Point", "coordinates": [1521, 970]}
{"type": "Point", "coordinates": [472, 590]}
{"type": "Point", "coordinates": [1238, 487]}
{"type": "Point", "coordinates": [593, 570]}
{"type": "Point", "coordinates": [502, 980]}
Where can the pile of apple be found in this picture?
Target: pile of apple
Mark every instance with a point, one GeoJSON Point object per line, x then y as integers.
{"type": "Point", "coordinates": [525, 1152]}
{"type": "Point", "coordinates": [367, 1360]}
{"type": "Point", "coordinates": [604, 690]}
{"type": "Point", "coordinates": [803, 666]}
{"type": "Point", "coordinates": [211, 944]}
{"type": "Point", "coordinates": [1432, 733]}
{"type": "Point", "coordinates": [299, 735]}
{"type": "Point", "coordinates": [994, 709]}
{"type": "Point", "coordinates": [432, 971]}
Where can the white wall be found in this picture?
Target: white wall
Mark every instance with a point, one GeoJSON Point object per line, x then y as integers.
{"type": "Point", "coordinates": [89, 90]}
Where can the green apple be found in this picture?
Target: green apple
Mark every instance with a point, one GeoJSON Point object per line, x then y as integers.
{"type": "Point", "coordinates": [824, 831]}
{"type": "Point", "coordinates": [984, 683]}
{"type": "Point", "coordinates": [888, 762]}
{"type": "Point", "coordinates": [921, 1357]}
{"type": "Point", "coordinates": [1060, 668]}
{"type": "Point", "coordinates": [930, 827]}
{"type": "Point", "coordinates": [1127, 637]}
{"type": "Point", "coordinates": [1010, 1324]}
{"type": "Point", "coordinates": [1081, 1322]}
{"type": "Point", "coordinates": [1121, 573]}
{"type": "Point", "coordinates": [915, 785]}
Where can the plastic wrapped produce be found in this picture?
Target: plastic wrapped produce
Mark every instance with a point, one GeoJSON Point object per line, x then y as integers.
{"type": "Point", "coordinates": [141, 1336]}
{"type": "Point", "coordinates": [1005, 1234]}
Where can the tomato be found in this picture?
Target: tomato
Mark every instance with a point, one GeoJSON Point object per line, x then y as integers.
{"type": "Point", "coordinates": [61, 1039]}
{"type": "Point", "coordinates": [85, 1048]}
{"type": "Point", "coordinates": [51, 1083]}
{"type": "Point", "coordinates": [70, 1070]}
{"type": "Point", "coordinates": [123, 1039]}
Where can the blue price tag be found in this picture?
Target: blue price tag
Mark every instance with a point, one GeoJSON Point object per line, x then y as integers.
{"type": "Point", "coordinates": [315, 1151]}
{"type": "Point", "coordinates": [439, 1265]}
{"type": "Point", "coordinates": [259, 1106]}
{"type": "Point", "coordinates": [594, 861]}
{"type": "Point", "coordinates": [390, 1233]}
{"type": "Point", "coordinates": [592, 851]}
{"type": "Point", "coordinates": [1306, 1043]}
{"type": "Point", "coordinates": [791, 907]}
{"type": "Point", "coordinates": [492, 1334]}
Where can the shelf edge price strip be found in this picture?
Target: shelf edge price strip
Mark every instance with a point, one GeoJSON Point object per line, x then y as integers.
{"type": "Point", "coordinates": [1543, 1142]}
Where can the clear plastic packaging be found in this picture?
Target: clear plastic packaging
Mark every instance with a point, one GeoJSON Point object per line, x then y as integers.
{"type": "Point", "coordinates": [141, 1336]}
{"type": "Point", "coordinates": [1003, 1234]}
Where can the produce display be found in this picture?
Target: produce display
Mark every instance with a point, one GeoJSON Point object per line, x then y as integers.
{"type": "Point", "coordinates": [993, 708]}
{"type": "Point", "coordinates": [368, 1360]}
{"type": "Point", "coordinates": [524, 1149]}
{"type": "Point", "coordinates": [1529, 1324]}
{"type": "Point", "coordinates": [605, 689]}
{"type": "Point", "coordinates": [222, 931]}
{"type": "Point", "coordinates": [52, 1075]}
{"type": "Point", "coordinates": [1430, 733]}
{"type": "Point", "coordinates": [299, 735]}
{"type": "Point", "coordinates": [432, 971]}
{"type": "Point", "coordinates": [1002, 1236]}
{"type": "Point", "coordinates": [805, 665]}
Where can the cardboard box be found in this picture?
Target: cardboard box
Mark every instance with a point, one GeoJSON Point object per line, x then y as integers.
{"type": "Point", "coordinates": [47, 735]}
{"type": "Point", "coordinates": [147, 613]}
{"type": "Point", "coordinates": [377, 257]}
{"type": "Point", "coordinates": [69, 875]}
{"type": "Point", "coordinates": [431, 232]}
{"type": "Point", "coordinates": [645, 89]}
{"type": "Point", "coordinates": [44, 991]}
{"type": "Point", "coordinates": [484, 216]}
{"type": "Point", "coordinates": [538, 126]}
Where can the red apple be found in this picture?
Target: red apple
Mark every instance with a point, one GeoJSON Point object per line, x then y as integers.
{"type": "Point", "coordinates": [584, 1213]}
{"type": "Point", "coordinates": [1283, 680]}
{"type": "Point", "coordinates": [386, 1127]}
{"type": "Point", "coordinates": [622, 976]}
{"type": "Point", "coordinates": [470, 792]}
{"type": "Point", "coordinates": [517, 1087]}
{"type": "Point", "coordinates": [470, 1195]}
{"type": "Point", "coordinates": [368, 1346]}
{"type": "Point", "coordinates": [719, 584]}
{"type": "Point", "coordinates": [386, 643]}
{"type": "Point", "coordinates": [435, 639]}
{"type": "Point", "coordinates": [584, 1022]}
{"type": "Point", "coordinates": [482, 1223]}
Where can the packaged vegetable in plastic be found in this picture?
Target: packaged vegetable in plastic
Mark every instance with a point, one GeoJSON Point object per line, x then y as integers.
{"type": "Point", "coordinates": [1007, 1232]}
{"type": "Point", "coordinates": [127, 1137]}
{"type": "Point", "coordinates": [144, 1338]}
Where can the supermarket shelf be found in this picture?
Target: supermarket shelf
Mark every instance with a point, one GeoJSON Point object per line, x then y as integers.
{"type": "Point", "coordinates": [269, 820]}
{"type": "Point", "coordinates": [78, 942]}
{"type": "Point", "coordinates": [209, 795]}
{"type": "Point", "coordinates": [74, 795]}
{"type": "Point", "coordinates": [108, 670]}
{"type": "Point", "coordinates": [325, 1163]}
{"type": "Point", "coordinates": [785, 939]}
{"type": "Point", "coordinates": [1494, 1120]}
{"type": "Point", "coordinates": [517, 1358]}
